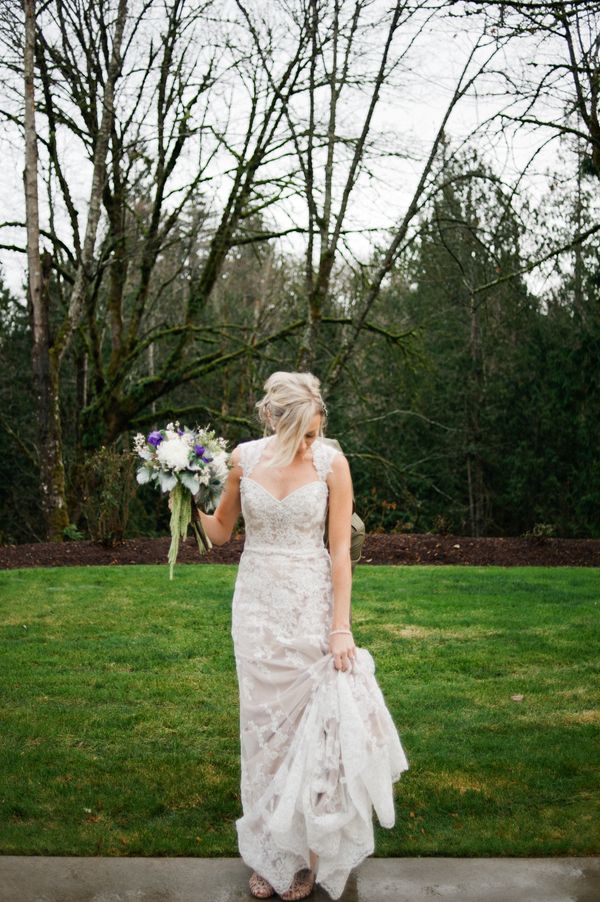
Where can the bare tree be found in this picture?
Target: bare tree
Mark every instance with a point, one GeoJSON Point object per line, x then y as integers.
{"type": "Point", "coordinates": [174, 150]}
{"type": "Point", "coordinates": [201, 135]}
{"type": "Point", "coordinates": [187, 341]}
{"type": "Point", "coordinates": [48, 349]}
{"type": "Point", "coordinates": [52, 476]}
{"type": "Point", "coordinates": [553, 87]}
{"type": "Point", "coordinates": [333, 159]}
{"type": "Point", "coordinates": [566, 82]}
{"type": "Point", "coordinates": [47, 353]}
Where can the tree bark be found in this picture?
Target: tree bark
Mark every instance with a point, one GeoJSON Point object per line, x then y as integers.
{"type": "Point", "coordinates": [83, 273]}
{"type": "Point", "coordinates": [474, 398]}
{"type": "Point", "coordinates": [45, 382]}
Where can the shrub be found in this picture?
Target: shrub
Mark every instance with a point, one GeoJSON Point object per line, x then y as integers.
{"type": "Point", "coordinates": [107, 478]}
{"type": "Point", "coordinates": [71, 533]}
{"type": "Point", "coordinates": [540, 532]}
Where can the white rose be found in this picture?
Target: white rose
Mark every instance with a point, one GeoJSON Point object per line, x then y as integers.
{"type": "Point", "coordinates": [174, 453]}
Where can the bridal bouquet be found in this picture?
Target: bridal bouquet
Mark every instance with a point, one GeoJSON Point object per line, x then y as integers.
{"type": "Point", "coordinates": [191, 464]}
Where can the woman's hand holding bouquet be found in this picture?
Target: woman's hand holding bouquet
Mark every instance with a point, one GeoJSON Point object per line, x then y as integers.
{"type": "Point", "coordinates": [190, 464]}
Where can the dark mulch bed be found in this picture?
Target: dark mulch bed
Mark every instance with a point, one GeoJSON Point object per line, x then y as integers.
{"type": "Point", "coordinates": [379, 549]}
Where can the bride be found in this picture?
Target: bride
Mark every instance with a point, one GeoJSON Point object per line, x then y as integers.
{"type": "Point", "coordinates": [319, 749]}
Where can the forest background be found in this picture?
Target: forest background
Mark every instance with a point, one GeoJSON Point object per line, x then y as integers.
{"type": "Point", "coordinates": [402, 198]}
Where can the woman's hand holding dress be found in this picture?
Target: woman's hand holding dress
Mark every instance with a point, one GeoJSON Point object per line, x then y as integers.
{"type": "Point", "coordinates": [343, 650]}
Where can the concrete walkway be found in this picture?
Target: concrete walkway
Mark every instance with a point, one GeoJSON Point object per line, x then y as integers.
{"type": "Point", "coordinates": [70, 879]}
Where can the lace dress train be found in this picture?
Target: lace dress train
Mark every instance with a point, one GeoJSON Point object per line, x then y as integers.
{"type": "Point", "coordinates": [319, 749]}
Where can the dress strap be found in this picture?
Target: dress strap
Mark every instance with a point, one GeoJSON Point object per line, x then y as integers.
{"type": "Point", "coordinates": [323, 452]}
{"type": "Point", "coordinates": [250, 453]}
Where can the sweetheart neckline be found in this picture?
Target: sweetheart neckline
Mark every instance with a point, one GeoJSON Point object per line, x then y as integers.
{"type": "Point", "coordinates": [289, 494]}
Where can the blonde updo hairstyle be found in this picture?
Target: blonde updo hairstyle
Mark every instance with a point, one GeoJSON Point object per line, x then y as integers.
{"type": "Point", "coordinates": [290, 402]}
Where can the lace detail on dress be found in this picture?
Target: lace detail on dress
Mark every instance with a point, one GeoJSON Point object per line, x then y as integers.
{"type": "Point", "coordinates": [323, 455]}
{"type": "Point", "coordinates": [250, 453]}
{"type": "Point", "coordinates": [319, 749]}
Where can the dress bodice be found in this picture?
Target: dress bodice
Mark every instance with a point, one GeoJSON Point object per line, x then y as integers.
{"type": "Point", "coordinates": [294, 524]}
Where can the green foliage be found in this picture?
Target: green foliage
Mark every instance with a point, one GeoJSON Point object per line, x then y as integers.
{"type": "Point", "coordinates": [486, 421]}
{"type": "Point", "coordinates": [540, 531]}
{"type": "Point", "coordinates": [181, 517]}
{"type": "Point", "coordinates": [19, 468]}
{"type": "Point", "coordinates": [72, 533]}
{"type": "Point", "coordinates": [482, 419]}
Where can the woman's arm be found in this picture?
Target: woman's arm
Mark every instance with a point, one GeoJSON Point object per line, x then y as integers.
{"type": "Point", "coordinates": [339, 531]}
{"type": "Point", "coordinates": [219, 526]}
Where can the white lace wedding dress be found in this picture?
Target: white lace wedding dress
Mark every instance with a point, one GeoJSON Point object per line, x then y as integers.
{"type": "Point", "coordinates": [319, 749]}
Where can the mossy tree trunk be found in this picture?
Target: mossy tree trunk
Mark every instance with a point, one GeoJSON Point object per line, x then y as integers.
{"type": "Point", "coordinates": [44, 364]}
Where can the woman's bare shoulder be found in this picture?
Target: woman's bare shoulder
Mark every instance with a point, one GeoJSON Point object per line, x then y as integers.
{"type": "Point", "coordinates": [339, 466]}
{"type": "Point", "coordinates": [235, 456]}
{"type": "Point", "coordinates": [330, 447]}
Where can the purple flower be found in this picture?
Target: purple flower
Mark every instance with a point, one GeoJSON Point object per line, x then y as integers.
{"type": "Point", "coordinates": [206, 458]}
{"type": "Point", "coordinates": [180, 431]}
{"type": "Point", "coordinates": [155, 438]}
{"type": "Point", "coordinates": [199, 449]}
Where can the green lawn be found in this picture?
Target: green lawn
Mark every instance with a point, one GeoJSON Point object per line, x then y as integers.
{"type": "Point", "coordinates": [119, 731]}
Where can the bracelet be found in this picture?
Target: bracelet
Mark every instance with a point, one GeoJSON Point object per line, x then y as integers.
{"type": "Point", "coordinates": [347, 632]}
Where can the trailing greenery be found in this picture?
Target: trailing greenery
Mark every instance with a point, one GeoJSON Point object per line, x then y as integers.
{"type": "Point", "coordinates": [120, 731]}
